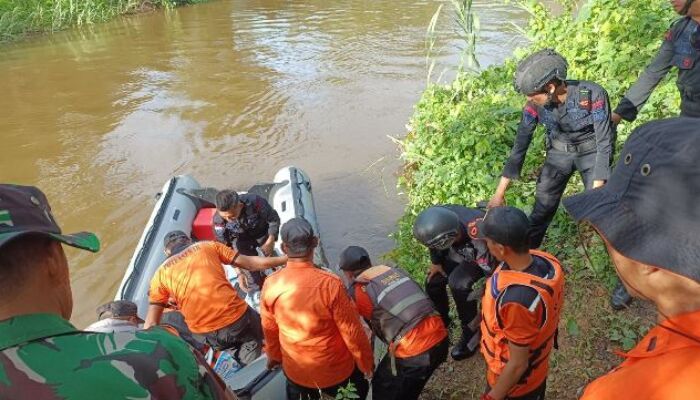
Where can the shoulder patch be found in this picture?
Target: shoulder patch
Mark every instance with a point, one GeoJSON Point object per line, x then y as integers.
{"type": "Point", "coordinates": [668, 36]}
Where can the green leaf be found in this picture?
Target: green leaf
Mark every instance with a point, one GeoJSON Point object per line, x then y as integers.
{"type": "Point", "coordinates": [572, 327]}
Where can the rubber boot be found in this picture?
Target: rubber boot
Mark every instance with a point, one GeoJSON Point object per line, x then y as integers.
{"type": "Point", "coordinates": [620, 299]}
{"type": "Point", "coordinates": [467, 345]}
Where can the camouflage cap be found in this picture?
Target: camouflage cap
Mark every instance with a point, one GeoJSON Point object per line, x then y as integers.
{"type": "Point", "coordinates": [25, 210]}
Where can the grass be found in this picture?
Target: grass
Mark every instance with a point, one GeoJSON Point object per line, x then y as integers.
{"type": "Point", "coordinates": [19, 18]}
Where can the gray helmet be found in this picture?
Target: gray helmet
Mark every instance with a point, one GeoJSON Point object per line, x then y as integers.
{"type": "Point", "coordinates": [437, 227]}
{"type": "Point", "coordinates": [538, 69]}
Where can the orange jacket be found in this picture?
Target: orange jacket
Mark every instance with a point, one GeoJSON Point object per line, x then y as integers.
{"type": "Point", "coordinates": [196, 280]}
{"type": "Point", "coordinates": [529, 328]}
{"type": "Point", "coordinates": [663, 366]}
{"type": "Point", "coordinates": [312, 326]}
{"type": "Point", "coordinates": [428, 333]}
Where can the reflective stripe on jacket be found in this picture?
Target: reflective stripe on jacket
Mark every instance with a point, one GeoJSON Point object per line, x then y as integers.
{"type": "Point", "coordinates": [494, 344]}
{"type": "Point", "coordinates": [399, 303]}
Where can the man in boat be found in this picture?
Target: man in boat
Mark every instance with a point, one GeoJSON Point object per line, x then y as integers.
{"type": "Point", "coordinates": [311, 326]}
{"type": "Point", "coordinates": [43, 356]}
{"type": "Point", "coordinates": [246, 222]}
{"type": "Point", "coordinates": [194, 278]}
{"type": "Point", "coordinates": [680, 49]}
{"type": "Point", "coordinates": [414, 331]}
{"type": "Point", "coordinates": [579, 137]}
{"type": "Point", "coordinates": [649, 219]}
{"type": "Point", "coordinates": [458, 262]}
{"type": "Point", "coordinates": [116, 316]}
{"type": "Point", "coordinates": [520, 309]}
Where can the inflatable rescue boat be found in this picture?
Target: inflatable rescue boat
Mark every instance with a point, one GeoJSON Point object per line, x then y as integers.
{"type": "Point", "coordinates": [185, 205]}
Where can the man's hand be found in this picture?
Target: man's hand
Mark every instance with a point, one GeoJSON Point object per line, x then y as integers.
{"type": "Point", "coordinates": [272, 364]}
{"type": "Point", "coordinates": [243, 280]}
{"type": "Point", "coordinates": [268, 247]}
{"type": "Point", "coordinates": [598, 183]}
{"type": "Point", "coordinates": [616, 118]}
{"type": "Point", "coordinates": [499, 198]}
{"type": "Point", "coordinates": [496, 201]}
{"type": "Point", "coordinates": [434, 270]}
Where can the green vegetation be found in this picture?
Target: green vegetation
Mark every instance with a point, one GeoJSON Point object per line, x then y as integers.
{"type": "Point", "coordinates": [461, 135]}
{"type": "Point", "coordinates": [21, 17]}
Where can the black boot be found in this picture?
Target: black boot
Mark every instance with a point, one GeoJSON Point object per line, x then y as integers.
{"type": "Point", "coordinates": [620, 299]}
{"type": "Point", "coordinates": [466, 346]}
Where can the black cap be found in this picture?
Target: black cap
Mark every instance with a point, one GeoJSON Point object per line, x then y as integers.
{"type": "Point", "coordinates": [354, 258]}
{"type": "Point", "coordinates": [648, 210]}
{"type": "Point", "coordinates": [25, 210]}
{"type": "Point", "coordinates": [118, 308]}
{"type": "Point", "coordinates": [298, 235]}
{"type": "Point", "coordinates": [506, 225]}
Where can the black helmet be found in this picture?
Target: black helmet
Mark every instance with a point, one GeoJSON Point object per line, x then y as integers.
{"type": "Point", "coordinates": [538, 69]}
{"type": "Point", "coordinates": [437, 227]}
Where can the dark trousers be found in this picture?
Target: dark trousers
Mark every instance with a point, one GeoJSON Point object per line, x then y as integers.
{"type": "Point", "coordinates": [412, 374]}
{"type": "Point", "coordinates": [176, 320]}
{"type": "Point", "coordinates": [248, 247]}
{"type": "Point", "coordinates": [537, 394]}
{"type": "Point", "coordinates": [556, 172]}
{"type": "Point", "coordinates": [690, 107]}
{"type": "Point", "coordinates": [298, 392]}
{"type": "Point", "coordinates": [243, 338]}
{"type": "Point", "coordinates": [460, 278]}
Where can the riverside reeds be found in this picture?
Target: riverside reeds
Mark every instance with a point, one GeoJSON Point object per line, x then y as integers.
{"type": "Point", "coordinates": [21, 17]}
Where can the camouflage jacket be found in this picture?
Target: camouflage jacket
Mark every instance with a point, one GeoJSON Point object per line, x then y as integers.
{"type": "Point", "coordinates": [43, 356]}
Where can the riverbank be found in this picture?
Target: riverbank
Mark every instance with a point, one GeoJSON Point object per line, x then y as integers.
{"type": "Point", "coordinates": [460, 136]}
{"type": "Point", "coordinates": [19, 18]}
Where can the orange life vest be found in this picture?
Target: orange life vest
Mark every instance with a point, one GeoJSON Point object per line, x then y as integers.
{"type": "Point", "coordinates": [494, 345]}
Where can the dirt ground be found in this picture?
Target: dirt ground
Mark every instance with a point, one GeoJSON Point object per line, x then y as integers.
{"type": "Point", "coordinates": [589, 334]}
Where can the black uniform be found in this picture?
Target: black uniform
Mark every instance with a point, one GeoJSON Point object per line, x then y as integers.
{"type": "Point", "coordinates": [464, 263]}
{"type": "Point", "coordinates": [580, 137]}
{"type": "Point", "coordinates": [257, 221]}
{"type": "Point", "coordinates": [676, 51]}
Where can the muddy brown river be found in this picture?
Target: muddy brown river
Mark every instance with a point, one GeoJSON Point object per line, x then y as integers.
{"type": "Point", "coordinates": [228, 91]}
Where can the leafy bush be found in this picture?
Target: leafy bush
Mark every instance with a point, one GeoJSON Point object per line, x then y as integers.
{"type": "Point", "coordinates": [461, 134]}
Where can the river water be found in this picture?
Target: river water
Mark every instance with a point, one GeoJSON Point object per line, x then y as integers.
{"type": "Point", "coordinates": [228, 91]}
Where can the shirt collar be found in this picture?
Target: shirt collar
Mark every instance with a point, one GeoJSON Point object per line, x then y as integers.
{"type": "Point", "coordinates": [660, 340]}
{"type": "Point", "coordinates": [25, 328]}
{"type": "Point", "coordinates": [293, 263]}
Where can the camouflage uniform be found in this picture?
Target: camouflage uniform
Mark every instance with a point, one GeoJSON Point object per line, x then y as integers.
{"type": "Point", "coordinates": [43, 356]}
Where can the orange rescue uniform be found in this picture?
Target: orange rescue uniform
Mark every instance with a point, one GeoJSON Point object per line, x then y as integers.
{"type": "Point", "coordinates": [420, 339]}
{"type": "Point", "coordinates": [534, 326]}
{"type": "Point", "coordinates": [663, 366]}
{"type": "Point", "coordinates": [312, 326]}
{"type": "Point", "coordinates": [195, 279]}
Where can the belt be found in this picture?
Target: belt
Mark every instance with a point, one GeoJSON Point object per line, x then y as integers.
{"type": "Point", "coordinates": [580, 147]}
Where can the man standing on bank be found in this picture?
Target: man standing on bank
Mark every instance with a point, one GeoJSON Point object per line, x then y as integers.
{"type": "Point", "coordinates": [402, 316]}
{"type": "Point", "coordinates": [43, 356]}
{"type": "Point", "coordinates": [246, 222]}
{"type": "Point", "coordinates": [520, 309]}
{"type": "Point", "coordinates": [312, 328]}
{"type": "Point", "coordinates": [680, 49]}
{"type": "Point", "coordinates": [649, 218]}
{"type": "Point", "coordinates": [579, 137]}
{"type": "Point", "coordinates": [457, 262]}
